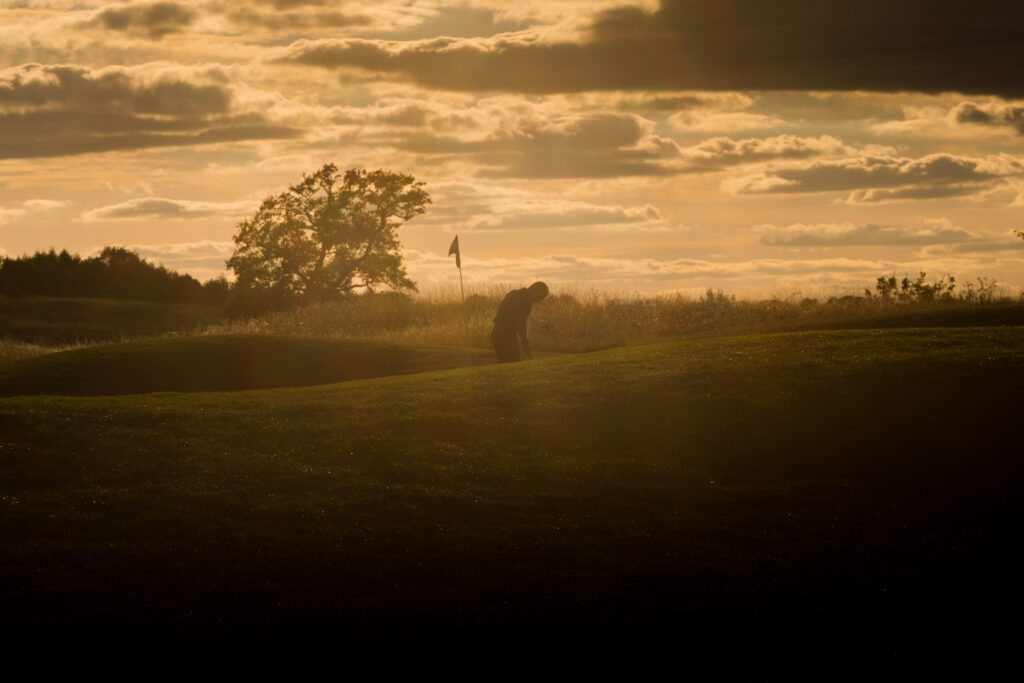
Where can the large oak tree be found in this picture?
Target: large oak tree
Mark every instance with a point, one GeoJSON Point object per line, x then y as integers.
{"type": "Point", "coordinates": [327, 236]}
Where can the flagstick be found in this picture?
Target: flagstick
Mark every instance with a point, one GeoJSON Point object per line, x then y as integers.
{"type": "Point", "coordinates": [465, 326]}
{"type": "Point", "coordinates": [462, 289]}
{"type": "Point", "coordinates": [454, 249]}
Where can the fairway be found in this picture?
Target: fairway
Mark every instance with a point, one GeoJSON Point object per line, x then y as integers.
{"type": "Point", "coordinates": [854, 490]}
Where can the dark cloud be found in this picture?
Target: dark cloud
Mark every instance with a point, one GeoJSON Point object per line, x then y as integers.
{"type": "Point", "coordinates": [155, 19]}
{"type": "Point", "coordinates": [289, 4]}
{"type": "Point", "coordinates": [283, 18]}
{"type": "Point", "coordinates": [1003, 114]}
{"type": "Point", "coordinates": [593, 133]}
{"type": "Point", "coordinates": [157, 207]}
{"type": "Point", "coordinates": [886, 178]}
{"type": "Point", "coordinates": [1012, 244]}
{"type": "Point", "coordinates": [556, 165]}
{"type": "Point", "coordinates": [598, 146]}
{"type": "Point", "coordinates": [671, 103]}
{"type": "Point", "coordinates": [721, 152]}
{"type": "Point", "coordinates": [595, 146]}
{"type": "Point", "coordinates": [58, 110]}
{"type": "Point", "coordinates": [882, 45]}
{"type": "Point", "coordinates": [849, 235]}
{"type": "Point", "coordinates": [56, 87]}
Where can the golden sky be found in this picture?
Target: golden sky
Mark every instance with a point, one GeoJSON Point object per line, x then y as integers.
{"type": "Point", "coordinates": [785, 146]}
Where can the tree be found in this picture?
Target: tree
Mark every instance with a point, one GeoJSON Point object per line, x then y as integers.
{"type": "Point", "coordinates": [327, 236]}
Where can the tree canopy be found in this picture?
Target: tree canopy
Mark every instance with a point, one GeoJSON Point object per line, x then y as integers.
{"type": "Point", "coordinates": [116, 273]}
{"type": "Point", "coordinates": [327, 236]}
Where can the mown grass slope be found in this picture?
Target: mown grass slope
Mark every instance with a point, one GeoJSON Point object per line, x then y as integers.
{"type": "Point", "coordinates": [222, 363]}
{"type": "Point", "coordinates": [834, 496]}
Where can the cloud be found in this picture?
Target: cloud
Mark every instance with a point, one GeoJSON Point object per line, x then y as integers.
{"type": "Point", "coordinates": [588, 133]}
{"type": "Point", "coordinates": [919, 192]}
{"type": "Point", "coordinates": [521, 140]}
{"type": "Point", "coordinates": [461, 20]}
{"type": "Point", "coordinates": [549, 215]}
{"type": "Point", "coordinates": [153, 19]}
{"type": "Point", "coordinates": [888, 45]}
{"type": "Point", "coordinates": [597, 145]}
{"type": "Point", "coordinates": [882, 178]}
{"type": "Point", "coordinates": [724, 122]}
{"type": "Point", "coordinates": [464, 206]}
{"type": "Point", "coordinates": [9, 215]}
{"type": "Point", "coordinates": [965, 120]}
{"type": "Point", "coordinates": [687, 101]}
{"type": "Point", "coordinates": [287, 17]}
{"type": "Point", "coordinates": [203, 259]}
{"type": "Point", "coordinates": [44, 204]}
{"type": "Point", "coordinates": [168, 91]}
{"type": "Point", "coordinates": [721, 152]}
{"type": "Point", "coordinates": [1003, 114]}
{"type": "Point", "coordinates": [157, 207]}
{"type": "Point", "coordinates": [851, 235]}
{"type": "Point", "coordinates": [1010, 243]}
{"type": "Point", "coordinates": [62, 109]}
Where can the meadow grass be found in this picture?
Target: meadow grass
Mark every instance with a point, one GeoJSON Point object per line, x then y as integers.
{"type": "Point", "coordinates": [53, 322]}
{"type": "Point", "coordinates": [841, 495]}
{"type": "Point", "coordinates": [569, 321]}
{"type": "Point", "coordinates": [574, 321]}
{"type": "Point", "coordinates": [12, 350]}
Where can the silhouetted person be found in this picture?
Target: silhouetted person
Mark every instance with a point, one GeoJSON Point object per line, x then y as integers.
{"type": "Point", "coordinates": [510, 321]}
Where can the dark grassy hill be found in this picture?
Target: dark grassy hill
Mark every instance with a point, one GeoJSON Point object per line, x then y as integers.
{"type": "Point", "coordinates": [842, 498]}
{"type": "Point", "coordinates": [221, 363]}
{"type": "Point", "coordinates": [54, 321]}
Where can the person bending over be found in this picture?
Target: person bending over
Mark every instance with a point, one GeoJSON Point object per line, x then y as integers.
{"type": "Point", "coordinates": [510, 321]}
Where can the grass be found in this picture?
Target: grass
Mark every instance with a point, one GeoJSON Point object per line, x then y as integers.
{"type": "Point", "coordinates": [222, 363]}
{"type": "Point", "coordinates": [841, 496]}
{"type": "Point", "coordinates": [12, 350]}
{"type": "Point", "coordinates": [571, 322]}
{"type": "Point", "coordinates": [51, 321]}
{"type": "Point", "coordinates": [567, 322]}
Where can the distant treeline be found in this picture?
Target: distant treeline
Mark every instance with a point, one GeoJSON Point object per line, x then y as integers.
{"type": "Point", "coordinates": [116, 273]}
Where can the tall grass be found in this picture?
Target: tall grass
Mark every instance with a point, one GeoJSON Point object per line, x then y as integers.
{"type": "Point", "coordinates": [574, 321]}
{"type": "Point", "coordinates": [12, 350]}
{"type": "Point", "coordinates": [57, 321]}
{"type": "Point", "coordinates": [570, 320]}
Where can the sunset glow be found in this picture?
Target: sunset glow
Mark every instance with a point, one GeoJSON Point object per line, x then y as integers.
{"type": "Point", "coordinates": [632, 146]}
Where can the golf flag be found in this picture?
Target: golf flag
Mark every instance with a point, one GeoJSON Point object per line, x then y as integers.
{"type": "Point", "coordinates": [454, 249]}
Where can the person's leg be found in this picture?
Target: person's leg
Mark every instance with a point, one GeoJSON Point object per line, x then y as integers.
{"type": "Point", "coordinates": [506, 345]}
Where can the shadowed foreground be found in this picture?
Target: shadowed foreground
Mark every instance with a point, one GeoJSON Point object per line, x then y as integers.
{"type": "Point", "coordinates": [837, 497]}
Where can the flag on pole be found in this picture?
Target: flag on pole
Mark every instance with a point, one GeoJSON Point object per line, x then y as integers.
{"type": "Point", "coordinates": [454, 249]}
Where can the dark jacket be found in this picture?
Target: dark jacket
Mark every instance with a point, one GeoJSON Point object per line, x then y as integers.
{"type": "Point", "coordinates": [512, 313]}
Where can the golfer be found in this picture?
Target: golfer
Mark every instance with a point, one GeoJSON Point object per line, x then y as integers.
{"type": "Point", "coordinates": [510, 321]}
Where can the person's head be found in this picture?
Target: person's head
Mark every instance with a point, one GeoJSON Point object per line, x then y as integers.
{"type": "Point", "coordinates": [538, 290]}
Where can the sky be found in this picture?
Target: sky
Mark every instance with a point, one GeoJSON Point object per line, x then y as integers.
{"type": "Point", "coordinates": [786, 147]}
